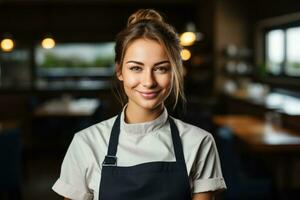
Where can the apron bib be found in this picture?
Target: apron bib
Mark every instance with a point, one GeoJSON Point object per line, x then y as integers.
{"type": "Point", "coordinates": [147, 181]}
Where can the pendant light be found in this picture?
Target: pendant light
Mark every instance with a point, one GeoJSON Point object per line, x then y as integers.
{"type": "Point", "coordinates": [7, 44]}
{"type": "Point", "coordinates": [185, 54]}
{"type": "Point", "coordinates": [48, 42]}
{"type": "Point", "coordinates": [190, 36]}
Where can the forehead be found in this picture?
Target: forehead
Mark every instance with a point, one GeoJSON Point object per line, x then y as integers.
{"type": "Point", "coordinates": [145, 50]}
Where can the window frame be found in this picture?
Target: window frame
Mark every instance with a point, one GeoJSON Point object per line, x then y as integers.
{"type": "Point", "coordinates": [283, 66]}
{"type": "Point", "coordinates": [261, 28]}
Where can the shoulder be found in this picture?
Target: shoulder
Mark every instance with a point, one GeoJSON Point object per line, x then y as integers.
{"type": "Point", "coordinates": [193, 134]}
{"type": "Point", "coordinates": [191, 130]}
{"type": "Point", "coordinates": [96, 132]}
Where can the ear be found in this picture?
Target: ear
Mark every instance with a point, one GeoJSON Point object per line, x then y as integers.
{"type": "Point", "coordinates": [119, 72]}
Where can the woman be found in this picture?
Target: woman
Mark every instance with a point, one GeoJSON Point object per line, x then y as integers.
{"type": "Point", "coordinates": [143, 154]}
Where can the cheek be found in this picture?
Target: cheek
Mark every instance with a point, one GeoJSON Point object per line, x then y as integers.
{"type": "Point", "coordinates": [166, 82]}
{"type": "Point", "coordinates": [130, 81]}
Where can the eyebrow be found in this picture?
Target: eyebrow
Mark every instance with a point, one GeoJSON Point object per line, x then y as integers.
{"type": "Point", "coordinates": [140, 63]}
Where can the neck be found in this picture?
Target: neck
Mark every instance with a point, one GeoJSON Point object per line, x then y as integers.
{"type": "Point", "coordinates": [135, 114]}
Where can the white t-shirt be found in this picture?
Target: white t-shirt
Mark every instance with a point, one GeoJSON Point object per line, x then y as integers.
{"type": "Point", "coordinates": [138, 143]}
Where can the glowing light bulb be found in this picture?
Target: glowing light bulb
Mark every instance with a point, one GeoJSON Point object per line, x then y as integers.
{"type": "Point", "coordinates": [48, 43]}
{"type": "Point", "coordinates": [188, 38]}
{"type": "Point", "coordinates": [185, 54]}
{"type": "Point", "coordinates": [7, 45]}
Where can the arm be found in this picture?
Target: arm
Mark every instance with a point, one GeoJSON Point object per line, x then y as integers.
{"type": "Point", "coordinates": [206, 174]}
{"type": "Point", "coordinates": [203, 196]}
{"type": "Point", "coordinates": [72, 183]}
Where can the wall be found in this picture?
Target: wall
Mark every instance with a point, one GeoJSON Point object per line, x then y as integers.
{"type": "Point", "coordinates": [230, 27]}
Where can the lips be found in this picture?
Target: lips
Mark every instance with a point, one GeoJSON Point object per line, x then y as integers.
{"type": "Point", "coordinates": [148, 95]}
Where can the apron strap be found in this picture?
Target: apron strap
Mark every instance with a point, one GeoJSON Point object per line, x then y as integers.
{"type": "Point", "coordinates": [111, 159]}
{"type": "Point", "coordinates": [176, 141]}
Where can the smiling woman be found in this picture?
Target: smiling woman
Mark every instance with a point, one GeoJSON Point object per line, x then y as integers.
{"type": "Point", "coordinates": [143, 153]}
{"type": "Point", "coordinates": [146, 78]}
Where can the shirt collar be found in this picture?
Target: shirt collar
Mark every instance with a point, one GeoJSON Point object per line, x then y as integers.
{"type": "Point", "coordinates": [144, 127]}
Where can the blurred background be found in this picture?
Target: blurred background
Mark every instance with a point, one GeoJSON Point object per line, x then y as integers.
{"type": "Point", "coordinates": [242, 64]}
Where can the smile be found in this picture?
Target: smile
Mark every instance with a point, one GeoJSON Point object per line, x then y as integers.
{"type": "Point", "coordinates": [148, 95]}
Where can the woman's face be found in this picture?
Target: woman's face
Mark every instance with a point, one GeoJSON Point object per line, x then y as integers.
{"type": "Point", "coordinates": [146, 74]}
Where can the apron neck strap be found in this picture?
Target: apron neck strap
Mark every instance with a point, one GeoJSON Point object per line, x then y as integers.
{"type": "Point", "coordinates": [176, 141]}
{"type": "Point", "coordinates": [111, 159]}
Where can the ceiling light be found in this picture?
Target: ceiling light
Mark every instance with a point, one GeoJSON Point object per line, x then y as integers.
{"type": "Point", "coordinates": [185, 54]}
{"type": "Point", "coordinates": [187, 38]}
{"type": "Point", "coordinates": [190, 36]}
{"type": "Point", "coordinates": [48, 43]}
{"type": "Point", "coordinates": [7, 44]}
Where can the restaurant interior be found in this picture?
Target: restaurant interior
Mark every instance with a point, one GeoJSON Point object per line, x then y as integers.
{"type": "Point", "coordinates": [242, 83]}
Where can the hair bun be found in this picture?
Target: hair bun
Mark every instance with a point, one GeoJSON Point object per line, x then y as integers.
{"type": "Point", "coordinates": [144, 14]}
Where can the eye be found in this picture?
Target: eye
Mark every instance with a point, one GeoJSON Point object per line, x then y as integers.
{"type": "Point", "coordinates": [135, 68]}
{"type": "Point", "coordinates": [162, 69]}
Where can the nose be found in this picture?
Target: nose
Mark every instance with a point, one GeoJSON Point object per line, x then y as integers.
{"type": "Point", "coordinates": [148, 79]}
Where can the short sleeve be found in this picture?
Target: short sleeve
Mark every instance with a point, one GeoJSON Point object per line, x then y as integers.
{"type": "Point", "coordinates": [72, 182]}
{"type": "Point", "coordinates": [206, 171]}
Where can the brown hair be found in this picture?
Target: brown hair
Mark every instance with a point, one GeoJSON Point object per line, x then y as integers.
{"type": "Point", "coordinates": [148, 23]}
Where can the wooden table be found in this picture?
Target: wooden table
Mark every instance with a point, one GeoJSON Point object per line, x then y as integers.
{"type": "Point", "coordinates": [59, 119]}
{"type": "Point", "coordinates": [258, 135]}
{"type": "Point", "coordinates": [279, 147]}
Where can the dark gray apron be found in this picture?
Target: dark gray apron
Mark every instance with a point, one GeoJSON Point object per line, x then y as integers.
{"type": "Point", "coordinates": [147, 181]}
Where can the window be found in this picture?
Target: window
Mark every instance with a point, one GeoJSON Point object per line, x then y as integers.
{"type": "Point", "coordinates": [293, 52]}
{"type": "Point", "coordinates": [275, 51]}
{"type": "Point", "coordinates": [282, 51]}
{"type": "Point", "coordinates": [74, 65]}
{"type": "Point", "coordinates": [75, 59]}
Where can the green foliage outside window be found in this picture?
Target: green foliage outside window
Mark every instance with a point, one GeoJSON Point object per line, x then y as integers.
{"type": "Point", "coordinates": [53, 61]}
